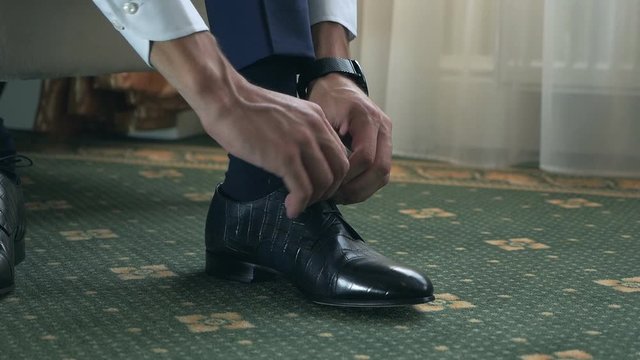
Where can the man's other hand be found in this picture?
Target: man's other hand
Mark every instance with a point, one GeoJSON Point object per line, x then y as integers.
{"type": "Point", "coordinates": [355, 116]}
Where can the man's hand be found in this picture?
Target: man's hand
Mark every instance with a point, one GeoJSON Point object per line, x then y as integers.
{"type": "Point", "coordinates": [357, 118]}
{"type": "Point", "coordinates": [286, 136]}
{"type": "Point", "coordinates": [281, 134]}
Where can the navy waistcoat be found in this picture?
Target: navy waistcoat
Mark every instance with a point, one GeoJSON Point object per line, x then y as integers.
{"type": "Point", "coordinates": [251, 30]}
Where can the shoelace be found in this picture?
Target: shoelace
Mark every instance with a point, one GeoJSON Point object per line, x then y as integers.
{"type": "Point", "coordinates": [12, 162]}
{"type": "Point", "coordinates": [330, 208]}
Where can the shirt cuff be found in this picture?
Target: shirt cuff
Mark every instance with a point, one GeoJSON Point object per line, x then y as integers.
{"type": "Point", "coordinates": [343, 12]}
{"type": "Point", "coordinates": [144, 21]}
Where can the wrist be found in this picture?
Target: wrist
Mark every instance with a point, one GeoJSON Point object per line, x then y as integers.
{"type": "Point", "coordinates": [330, 39]}
{"type": "Point", "coordinates": [196, 67]}
{"type": "Point", "coordinates": [331, 81]}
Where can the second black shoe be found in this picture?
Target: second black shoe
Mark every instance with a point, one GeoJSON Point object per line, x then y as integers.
{"type": "Point", "coordinates": [12, 222]}
{"type": "Point", "coordinates": [319, 252]}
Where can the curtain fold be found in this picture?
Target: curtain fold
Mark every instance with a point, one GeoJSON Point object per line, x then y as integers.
{"type": "Point", "coordinates": [591, 87]}
{"type": "Point", "coordinates": [492, 83]}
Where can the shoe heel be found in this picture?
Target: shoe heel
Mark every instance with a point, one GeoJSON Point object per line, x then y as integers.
{"type": "Point", "coordinates": [222, 266]}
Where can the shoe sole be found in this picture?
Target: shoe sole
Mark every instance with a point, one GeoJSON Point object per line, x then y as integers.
{"type": "Point", "coordinates": [228, 268]}
{"type": "Point", "coordinates": [376, 304]}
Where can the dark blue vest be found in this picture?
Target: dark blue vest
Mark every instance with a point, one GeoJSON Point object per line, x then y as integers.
{"type": "Point", "coordinates": [250, 30]}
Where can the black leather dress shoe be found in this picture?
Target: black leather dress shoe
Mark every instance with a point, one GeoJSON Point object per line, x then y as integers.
{"type": "Point", "coordinates": [12, 222]}
{"type": "Point", "coordinates": [319, 252]}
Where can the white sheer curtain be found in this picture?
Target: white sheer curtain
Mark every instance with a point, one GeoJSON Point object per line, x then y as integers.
{"type": "Point", "coordinates": [493, 83]}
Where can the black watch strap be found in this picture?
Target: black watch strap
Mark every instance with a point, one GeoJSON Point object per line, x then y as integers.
{"type": "Point", "coordinates": [324, 66]}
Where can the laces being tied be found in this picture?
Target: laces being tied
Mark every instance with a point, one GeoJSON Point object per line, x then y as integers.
{"type": "Point", "coordinates": [15, 161]}
{"type": "Point", "coordinates": [9, 164]}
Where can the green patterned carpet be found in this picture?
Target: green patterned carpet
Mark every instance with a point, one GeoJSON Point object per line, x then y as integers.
{"type": "Point", "coordinates": [526, 266]}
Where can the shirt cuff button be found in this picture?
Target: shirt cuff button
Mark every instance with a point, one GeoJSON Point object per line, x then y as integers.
{"type": "Point", "coordinates": [130, 7]}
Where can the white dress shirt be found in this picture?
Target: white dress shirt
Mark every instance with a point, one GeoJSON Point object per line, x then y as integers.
{"type": "Point", "coordinates": [144, 21]}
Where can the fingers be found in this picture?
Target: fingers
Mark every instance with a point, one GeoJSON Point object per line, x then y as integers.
{"type": "Point", "coordinates": [374, 177]}
{"type": "Point", "coordinates": [355, 117]}
{"type": "Point", "coordinates": [336, 155]}
{"type": "Point", "coordinates": [363, 144]}
{"type": "Point", "coordinates": [316, 162]}
{"type": "Point", "coordinates": [316, 166]}
{"type": "Point", "coordinates": [297, 181]}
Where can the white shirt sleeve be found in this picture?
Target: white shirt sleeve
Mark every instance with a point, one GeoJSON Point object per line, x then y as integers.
{"type": "Point", "coordinates": [344, 12]}
{"type": "Point", "coordinates": [144, 21]}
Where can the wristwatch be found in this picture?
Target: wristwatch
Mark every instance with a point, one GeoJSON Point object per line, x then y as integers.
{"type": "Point", "coordinates": [321, 67]}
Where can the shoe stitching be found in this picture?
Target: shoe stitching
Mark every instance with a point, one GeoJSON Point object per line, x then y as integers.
{"type": "Point", "coordinates": [286, 236]}
{"type": "Point", "coordinates": [3, 247]}
{"type": "Point", "coordinates": [238, 219]}
{"type": "Point", "coordinates": [250, 220]}
{"type": "Point", "coordinates": [276, 227]}
{"type": "Point", "coordinates": [226, 224]}
{"type": "Point", "coordinates": [264, 219]}
{"type": "Point", "coordinates": [4, 230]}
